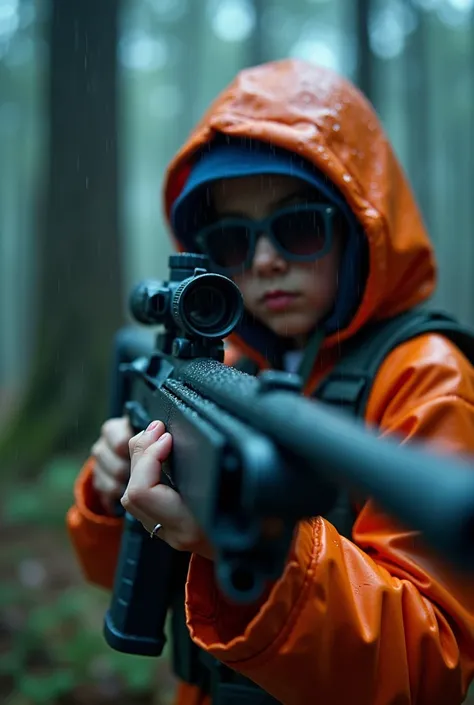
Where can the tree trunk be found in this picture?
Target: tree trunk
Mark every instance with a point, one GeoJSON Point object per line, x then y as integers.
{"type": "Point", "coordinates": [257, 53]}
{"type": "Point", "coordinates": [364, 75]}
{"type": "Point", "coordinates": [79, 304]}
{"type": "Point", "coordinates": [417, 76]}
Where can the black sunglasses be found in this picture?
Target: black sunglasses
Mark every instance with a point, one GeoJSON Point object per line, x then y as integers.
{"type": "Point", "coordinates": [300, 233]}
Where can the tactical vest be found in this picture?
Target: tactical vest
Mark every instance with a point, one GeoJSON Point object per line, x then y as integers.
{"type": "Point", "coordinates": [348, 387]}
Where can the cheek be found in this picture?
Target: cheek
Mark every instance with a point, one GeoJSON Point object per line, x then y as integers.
{"type": "Point", "coordinates": [249, 291]}
{"type": "Point", "coordinates": [244, 283]}
{"type": "Point", "coordinates": [321, 279]}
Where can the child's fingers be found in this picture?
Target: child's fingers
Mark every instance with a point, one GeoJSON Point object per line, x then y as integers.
{"type": "Point", "coordinates": [146, 465]}
{"type": "Point", "coordinates": [161, 502]}
{"type": "Point", "coordinates": [108, 462]}
{"type": "Point", "coordinates": [117, 433]}
{"type": "Point", "coordinates": [107, 485]}
{"type": "Point", "coordinates": [143, 517]}
{"type": "Point", "coordinates": [139, 443]}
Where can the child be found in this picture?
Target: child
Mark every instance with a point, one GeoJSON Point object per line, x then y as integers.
{"type": "Point", "coordinates": [290, 186]}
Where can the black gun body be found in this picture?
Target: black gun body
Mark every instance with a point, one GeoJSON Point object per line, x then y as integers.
{"type": "Point", "coordinates": [243, 453]}
{"type": "Point", "coordinates": [430, 493]}
{"type": "Point", "coordinates": [221, 466]}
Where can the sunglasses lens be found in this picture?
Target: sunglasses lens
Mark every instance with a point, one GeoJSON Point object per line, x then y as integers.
{"type": "Point", "coordinates": [228, 245]}
{"type": "Point", "coordinates": [301, 232]}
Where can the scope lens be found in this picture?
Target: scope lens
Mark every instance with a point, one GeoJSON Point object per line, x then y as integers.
{"type": "Point", "coordinates": [209, 305]}
{"type": "Point", "coordinates": [206, 308]}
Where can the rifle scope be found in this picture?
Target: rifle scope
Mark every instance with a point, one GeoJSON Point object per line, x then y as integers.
{"type": "Point", "coordinates": [201, 304]}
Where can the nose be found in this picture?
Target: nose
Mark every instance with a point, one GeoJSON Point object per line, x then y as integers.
{"type": "Point", "coordinates": [267, 260]}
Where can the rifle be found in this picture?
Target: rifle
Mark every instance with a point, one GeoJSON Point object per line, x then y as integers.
{"type": "Point", "coordinates": [251, 457]}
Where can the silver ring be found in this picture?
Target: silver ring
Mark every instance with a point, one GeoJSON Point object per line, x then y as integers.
{"type": "Point", "coordinates": [155, 531]}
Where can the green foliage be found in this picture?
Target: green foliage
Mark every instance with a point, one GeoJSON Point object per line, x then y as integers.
{"type": "Point", "coordinates": [52, 620]}
{"type": "Point", "coordinates": [44, 501]}
{"type": "Point", "coordinates": [60, 647]}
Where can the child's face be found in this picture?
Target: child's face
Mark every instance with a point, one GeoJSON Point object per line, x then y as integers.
{"type": "Point", "coordinates": [290, 298]}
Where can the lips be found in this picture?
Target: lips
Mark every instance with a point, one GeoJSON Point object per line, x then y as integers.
{"type": "Point", "coordinates": [279, 300]}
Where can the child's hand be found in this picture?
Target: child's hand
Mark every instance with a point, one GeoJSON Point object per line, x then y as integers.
{"type": "Point", "coordinates": [112, 462]}
{"type": "Point", "coordinates": [152, 503]}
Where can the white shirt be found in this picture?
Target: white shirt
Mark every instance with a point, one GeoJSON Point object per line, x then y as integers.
{"type": "Point", "coordinates": [292, 360]}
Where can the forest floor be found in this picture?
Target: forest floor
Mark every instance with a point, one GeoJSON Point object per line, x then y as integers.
{"type": "Point", "coordinates": [51, 646]}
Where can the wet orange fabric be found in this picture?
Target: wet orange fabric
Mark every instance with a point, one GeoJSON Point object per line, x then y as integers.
{"type": "Point", "coordinates": [375, 619]}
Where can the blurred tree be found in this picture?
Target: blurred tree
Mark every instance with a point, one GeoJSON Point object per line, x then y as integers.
{"type": "Point", "coordinates": [257, 50]}
{"type": "Point", "coordinates": [416, 74]}
{"type": "Point", "coordinates": [364, 72]}
{"type": "Point", "coordinates": [80, 294]}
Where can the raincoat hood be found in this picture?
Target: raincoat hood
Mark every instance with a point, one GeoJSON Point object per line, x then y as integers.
{"type": "Point", "coordinates": [317, 114]}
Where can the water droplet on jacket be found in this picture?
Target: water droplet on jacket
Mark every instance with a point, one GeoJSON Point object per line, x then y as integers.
{"type": "Point", "coordinates": [336, 127]}
{"type": "Point", "coordinates": [347, 178]}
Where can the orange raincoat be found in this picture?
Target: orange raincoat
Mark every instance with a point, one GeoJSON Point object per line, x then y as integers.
{"type": "Point", "coordinates": [375, 620]}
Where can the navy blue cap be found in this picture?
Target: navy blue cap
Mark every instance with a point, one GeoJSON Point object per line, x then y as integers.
{"type": "Point", "coordinates": [236, 159]}
{"type": "Point", "coordinates": [231, 161]}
